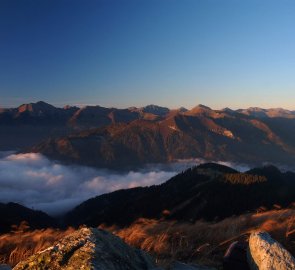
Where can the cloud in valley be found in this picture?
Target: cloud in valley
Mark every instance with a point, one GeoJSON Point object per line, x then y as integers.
{"type": "Point", "coordinates": [34, 181]}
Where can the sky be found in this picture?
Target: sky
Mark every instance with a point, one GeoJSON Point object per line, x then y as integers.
{"type": "Point", "coordinates": [221, 53]}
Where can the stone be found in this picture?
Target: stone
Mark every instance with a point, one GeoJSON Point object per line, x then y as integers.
{"type": "Point", "coordinates": [89, 249]}
{"type": "Point", "coordinates": [267, 254]}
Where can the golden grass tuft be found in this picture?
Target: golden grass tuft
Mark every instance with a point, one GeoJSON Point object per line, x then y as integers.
{"type": "Point", "coordinates": [21, 243]}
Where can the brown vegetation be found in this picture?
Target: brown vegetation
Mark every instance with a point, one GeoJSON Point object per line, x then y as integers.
{"type": "Point", "coordinates": [244, 178]}
{"type": "Point", "coordinates": [205, 242]}
{"type": "Point", "coordinates": [201, 242]}
{"type": "Point", "coordinates": [21, 243]}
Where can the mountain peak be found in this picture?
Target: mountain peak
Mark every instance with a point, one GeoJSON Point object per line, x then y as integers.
{"type": "Point", "coordinates": [37, 107]}
{"type": "Point", "coordinates": [216, 167]}
{"type": "Point", "coordinates": [227, 109]}
{"type": "Point", "coordinates": [200, 109]}
{"type": "Point", "coordinates": [182, 109]}
{"type": "Point", "coordinates": [203, 107]}
{"type": "Point", "coordinates": [155, 109]}
{"type": "Point", "coordinates": [69, 107]}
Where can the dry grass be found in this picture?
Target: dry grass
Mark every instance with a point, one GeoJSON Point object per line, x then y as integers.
{"type": "Point", "coordinates": [200, 242]}
{"type": "Point", "coordinates": [205, 242]}
{"type": "Point", "coordinates": [21, 243]}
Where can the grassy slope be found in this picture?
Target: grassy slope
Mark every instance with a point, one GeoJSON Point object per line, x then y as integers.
{"type": "Point", "coordinates": [201, 242]}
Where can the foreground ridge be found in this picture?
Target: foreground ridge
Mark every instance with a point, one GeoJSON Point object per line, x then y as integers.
{"type": "Point", "coordinates": [89, 248]}
{"type": "Point", "coordinates": [95, 249]}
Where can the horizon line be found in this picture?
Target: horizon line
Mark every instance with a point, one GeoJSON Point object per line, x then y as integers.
{"type": "Point", "coordinates": [86, 104]}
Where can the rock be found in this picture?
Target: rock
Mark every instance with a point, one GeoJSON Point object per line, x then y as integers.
{"type": "Point", "coordinates": [236, 256]}
{"type": "Point", "coordinates": [89, 249]}
{"type": "Point", "coordinates": [5, 267]}
{"type": "Point", "coordinates": [183, 266]}
{"type": "Point", "coordinates": [267, 254]}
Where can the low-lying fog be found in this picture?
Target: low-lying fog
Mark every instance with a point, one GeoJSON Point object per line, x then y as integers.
{"type": "Point", "coordinates": [37, 182]}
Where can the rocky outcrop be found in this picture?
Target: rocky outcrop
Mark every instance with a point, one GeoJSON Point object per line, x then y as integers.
{"type": "Point", "coordinates": [267, 254]}
{"type": "Point", "coordinates": [89, 249]}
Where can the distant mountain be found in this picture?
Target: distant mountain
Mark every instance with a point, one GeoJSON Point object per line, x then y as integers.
{"type": "Point", "coordinates": [265, 113]}
{"type": "Point", "coordinates": [33, 113]}
{"type": "Point", "coordinates": [117, 138]}
{"type": "Point", "coordinates": [96, 116]}
{"type": "Point", "coordinates": [200, 110]}
{"type": "Point", "coordinates": [31, 123]}
{"type": "Point", "coordinates": [14, 214]}
{"type": "Point", "coordinates": [209, 191]}
{"type": "Point", "coordinates": [198, 133]}
{"type": "Point", "coordinates": [157, 110]}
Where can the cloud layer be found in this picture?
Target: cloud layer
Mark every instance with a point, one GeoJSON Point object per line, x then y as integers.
{"type": "Point", "coordinates": [34, 181]}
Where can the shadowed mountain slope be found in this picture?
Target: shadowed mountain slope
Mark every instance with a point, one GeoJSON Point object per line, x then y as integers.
{"type": "Point", "coordinates": [38, 121]}
{"type": "Point", "coordinates": [14, 214]}
{"type": "Point", "coordinates": [209, 191]}
{"type": "Point", "coordinates": [128, 138]}
{"type": "Point", "coordinates": [210, 135]}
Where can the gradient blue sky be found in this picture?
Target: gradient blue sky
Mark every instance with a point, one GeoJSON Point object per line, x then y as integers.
{"type": "Point", "coordinates": [174, 53]}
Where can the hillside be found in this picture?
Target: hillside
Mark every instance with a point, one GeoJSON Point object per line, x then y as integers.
{"type": "Point", "coordinates": [13, 214]}
{"type": "Point", "coordinates": [209, 191]}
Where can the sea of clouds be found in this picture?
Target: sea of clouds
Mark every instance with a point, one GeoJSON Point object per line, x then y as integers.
{"type": "Point", "coordinates": [39, 183]}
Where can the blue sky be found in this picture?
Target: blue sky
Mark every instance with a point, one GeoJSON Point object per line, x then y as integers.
{"type": "Point", "coordinates": [222, 53]}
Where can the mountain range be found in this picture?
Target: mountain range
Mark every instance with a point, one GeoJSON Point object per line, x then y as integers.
{"type": "Point", "coordinates": [28, 124]}
{"type": "Point", "coordinates": [129, 138]}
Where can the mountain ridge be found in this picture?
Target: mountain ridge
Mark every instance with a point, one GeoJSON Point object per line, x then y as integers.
{"type": "Point", "coordinates": [208, 192]}
{"type": "Point", "coordinates": [129, 138]}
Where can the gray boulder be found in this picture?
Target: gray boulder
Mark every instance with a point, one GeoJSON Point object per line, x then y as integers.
{"type": "Point", "coordinates": [267, 254]}
{"type": "Point", "coordinates": [89, 249]}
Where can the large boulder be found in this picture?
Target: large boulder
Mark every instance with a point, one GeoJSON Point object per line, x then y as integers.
{"type": "Point", "coordinates": [89, 249]}
{"type": "Point", "coordinates": [267, 254]}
